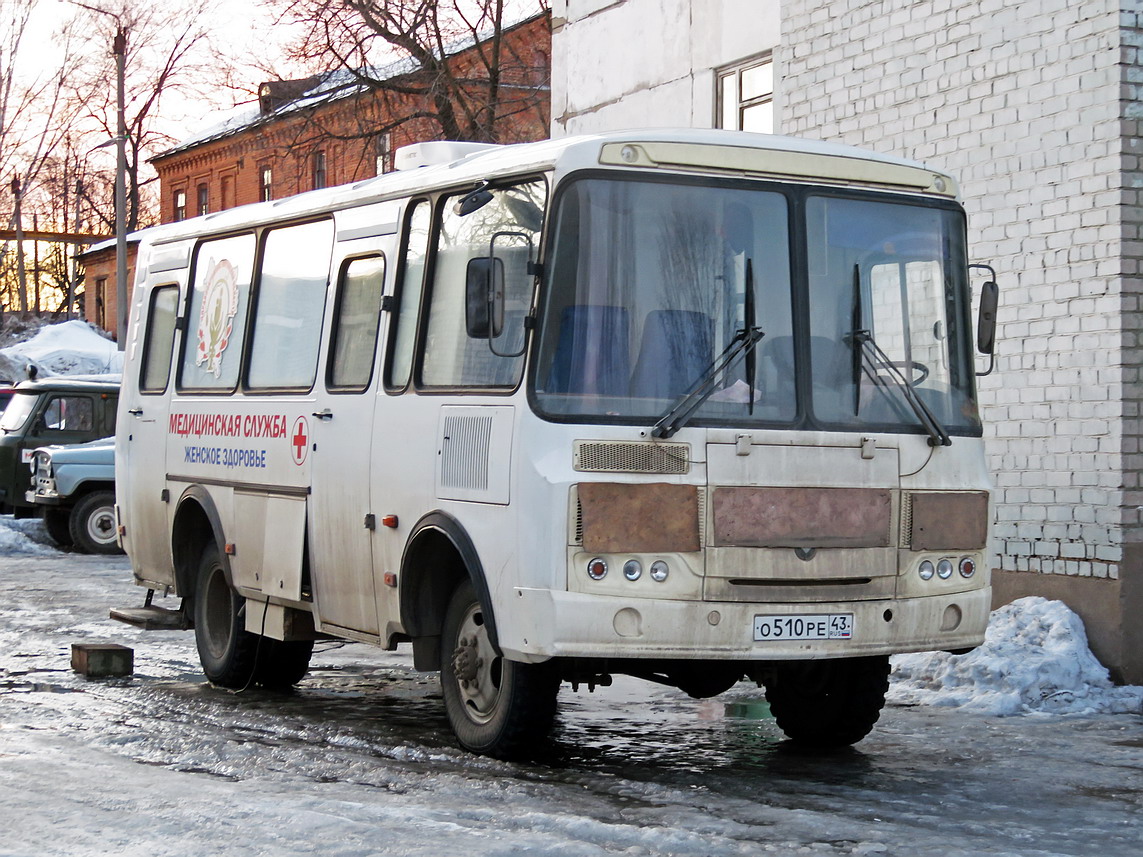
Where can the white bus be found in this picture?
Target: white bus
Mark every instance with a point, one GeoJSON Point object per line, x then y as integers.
{"type": "Point", "coordinates": [691, 406]}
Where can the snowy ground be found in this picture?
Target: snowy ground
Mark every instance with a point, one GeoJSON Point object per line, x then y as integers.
{"type": "Point", "coordinates": [360, 761]}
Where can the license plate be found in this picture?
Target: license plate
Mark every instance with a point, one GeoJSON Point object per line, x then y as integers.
{"type": "Point", "coordinates": [824, 626]}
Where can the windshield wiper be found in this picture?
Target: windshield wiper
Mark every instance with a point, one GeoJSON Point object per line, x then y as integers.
{"type": "Point", "coordinates": [862, 340]}
{"type": "Point", "coordinates": [745, 340]}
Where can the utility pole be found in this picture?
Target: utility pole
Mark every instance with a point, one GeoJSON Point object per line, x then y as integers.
{"type": "Point", "coordinates": [36, 264]}
{"type": "Point", "coordinates": [21, 274]}
{"type": "Point", "coordinates": [119, 49]}
{"type": "Point", "coordinates": [73, 280]}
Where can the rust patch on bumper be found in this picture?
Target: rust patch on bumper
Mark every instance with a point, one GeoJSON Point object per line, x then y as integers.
{"type": "Point", "coordinates": [802, 517]}
{"type": "Point", "coordinates": [949, 521]}
{"type": "Point", "coordinates": [655, 518]}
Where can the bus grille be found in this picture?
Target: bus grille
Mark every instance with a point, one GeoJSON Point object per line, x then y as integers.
{"type": "Point", "coordinates": [576, 527]}
{"type": "Point", "coordinates": [592, 456]}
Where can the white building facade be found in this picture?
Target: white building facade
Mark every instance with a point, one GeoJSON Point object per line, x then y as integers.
{"type": "Point", "coordinates": [1036, 106]}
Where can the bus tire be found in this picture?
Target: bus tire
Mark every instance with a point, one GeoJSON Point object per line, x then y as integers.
{"type": "Point", "coordinates": [828, 703]}
{"type": "Point", "coordinates": [496, 707]}
{"type": "Point", "coordinates": [228, 651]}
{"type": "Point", "coordinates": [92, 523]}
{"type": "Point", "coordinates": [58, 524]}
{"type": "Point", "coordinates": [283, 663]}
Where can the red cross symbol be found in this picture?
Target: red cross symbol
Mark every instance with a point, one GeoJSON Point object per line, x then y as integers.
{"type": "Point", "coordinates": [300, 441]}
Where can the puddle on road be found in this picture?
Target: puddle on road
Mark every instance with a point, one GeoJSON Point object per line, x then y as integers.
{"type": "Point", "coordinates": [756, 709]}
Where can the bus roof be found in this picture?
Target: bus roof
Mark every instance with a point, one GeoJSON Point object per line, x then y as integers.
{"type": "Point", "coordinates": [687, 150]}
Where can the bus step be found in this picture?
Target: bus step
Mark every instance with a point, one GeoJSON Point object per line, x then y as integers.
{"type": "Point", "coordinates": [152, 618]}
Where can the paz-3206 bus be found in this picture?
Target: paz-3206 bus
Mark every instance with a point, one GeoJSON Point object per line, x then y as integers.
{"type": "Point", "coordinates": [691, 406]}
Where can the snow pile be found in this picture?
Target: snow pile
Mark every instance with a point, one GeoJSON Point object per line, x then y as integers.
{"type": "Point", "coordinates": [25, 536]}
{"type": "Point", "coordinates": [69, 348]}
{"type": "Point", "coordinates": [1035, 659]}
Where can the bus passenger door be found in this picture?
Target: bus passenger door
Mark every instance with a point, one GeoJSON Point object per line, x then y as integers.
{"type": "Point", "coordinates": [141, 434]}
{"type": "Point", "coordinates": [341, 519]}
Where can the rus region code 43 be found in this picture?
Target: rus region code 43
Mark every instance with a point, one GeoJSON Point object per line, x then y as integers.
{"type": "Point", "coordinates": [823, 626]}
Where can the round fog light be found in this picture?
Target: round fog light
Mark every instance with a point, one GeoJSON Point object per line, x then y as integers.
{"type": "Point", "coordinates": [944, 569]}
{"type": "Point", "coordinates": [597, 569]}
{"type": "Point", "coordinates": [967, 567]}
{"type": "Point", "coordinates": [632, 569]}
{"type": "Point", "coordinates": [926, 570]}
{"type": "Point", "coordinates": [659, 571]}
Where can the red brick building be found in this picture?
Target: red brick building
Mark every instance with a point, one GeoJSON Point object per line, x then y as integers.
{"type": "Point", "coordinates": [323, 131]}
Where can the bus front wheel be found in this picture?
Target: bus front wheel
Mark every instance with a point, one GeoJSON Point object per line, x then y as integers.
{"type": "Point", "coordinates": [828, 703]}
{"type": "Point", "coordinates": [496, 707]}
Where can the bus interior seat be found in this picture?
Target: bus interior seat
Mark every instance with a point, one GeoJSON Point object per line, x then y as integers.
{"type": "Point", "coordinates": [677, 348]}
{"type": "Point", "coordinates": [591, 354]}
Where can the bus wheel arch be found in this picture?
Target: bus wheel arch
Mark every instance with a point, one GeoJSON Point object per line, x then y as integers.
{"type": "Point", "coordinates": [196, 526]}
{"type": "Point", "coordinates": [439, 556]}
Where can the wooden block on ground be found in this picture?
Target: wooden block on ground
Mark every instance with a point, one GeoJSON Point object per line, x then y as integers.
{"type": "Point", "coordinates": [100, 660]}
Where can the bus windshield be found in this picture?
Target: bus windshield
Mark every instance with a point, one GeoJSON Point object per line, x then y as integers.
{"type": "Point", "coordinates": [647, 291]}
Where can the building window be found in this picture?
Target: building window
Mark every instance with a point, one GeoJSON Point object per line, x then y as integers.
{"type": "Point", "coordinates": [265, 183]}
{"type": "Point", "coordinates": [319, 170]}
{"type": "Point", "coordinates": [227, 192]}
{"type": "Point", "coordinates": [100, 302]}
{"type": "Point", "coordinates": [745, 97]}
{"type": "Point", "coordinates": [180, 205]}
{"type": "Point", "coordinates": [203, 200]}
{"type": "Point", "coordinates": [384, 154]}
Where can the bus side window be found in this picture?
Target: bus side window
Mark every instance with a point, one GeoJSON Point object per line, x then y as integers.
{"type": "Point", "coordinates": [409, 287]}
{"type": "Point", "coordinates": [160, 339]}
{"type": "Point", "coordinates": [288, 307]}
{"type": "Point", "coordinates": [216, 323]}
{"type": "Point", "coordinates": [507, 227]}
{"type": "Point", "coordinates": [355, 323]}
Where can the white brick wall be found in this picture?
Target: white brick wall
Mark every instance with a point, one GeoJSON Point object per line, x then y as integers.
{"type": "Point", "coordinates": [1036, 107]}
{"type": "Point", "coordinates": [648, 63]}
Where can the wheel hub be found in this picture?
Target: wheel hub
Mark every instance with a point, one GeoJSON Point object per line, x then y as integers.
{"type": "Point", "coordinates": [466, 663]}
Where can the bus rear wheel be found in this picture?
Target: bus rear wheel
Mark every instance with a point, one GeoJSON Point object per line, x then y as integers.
{"type": "Point", "coordinates": [496, 707]}
{"type": "Point", "coordinates": [228, 651]}
{"type": "Point", "coordinates": [829, 703]}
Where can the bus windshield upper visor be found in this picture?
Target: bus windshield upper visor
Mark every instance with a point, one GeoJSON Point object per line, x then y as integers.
{"type": "Point", "coordinates": [648, 286]}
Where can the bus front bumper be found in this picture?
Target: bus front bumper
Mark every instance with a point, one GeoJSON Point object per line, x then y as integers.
{"type": "Point", "coordinates": [546, 624]}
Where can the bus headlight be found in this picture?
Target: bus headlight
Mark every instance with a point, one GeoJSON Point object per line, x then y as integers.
{"type": "Point", "coordinates": [597, 569]}
{"type": "Point", "coordinates": [926, 570]}
{"type": "Point", "coordinates": [967, 567]}
{"type": "Point", "coordinates": [944, 569]}
{"type": "Point", "coordinates": [659, 571]}
{"type": "Point", "coordinates": [632, 569]}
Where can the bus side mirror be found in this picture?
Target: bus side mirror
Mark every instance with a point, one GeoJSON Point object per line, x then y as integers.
{"type": "Point", "coordinates": [986, 323]}
{"type": "Point", "coordinates": [484, 297]}
{"type": "Point", "coordinates": [986, 317]}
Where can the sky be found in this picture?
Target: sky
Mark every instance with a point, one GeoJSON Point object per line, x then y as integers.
{"type": "Point", "coordinates": [239, 28]}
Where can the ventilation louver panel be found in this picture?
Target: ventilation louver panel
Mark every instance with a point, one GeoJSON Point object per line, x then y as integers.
{"type": "Point", "coordinates": [610, 457]}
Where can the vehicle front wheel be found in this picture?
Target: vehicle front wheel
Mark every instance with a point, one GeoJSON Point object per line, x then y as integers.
{"type": "Point", "coordinates": [58, 524]}
{"type": "Point", "coordinates": [496, 707]}
{"type": "Point", "coordinates": [92, 523]}
{"type": "Point", "coordinates": [828, 703]}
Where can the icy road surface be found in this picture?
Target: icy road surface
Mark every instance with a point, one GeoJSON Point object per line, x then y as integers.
{"type": "Point", "coordinates": [360, 761]}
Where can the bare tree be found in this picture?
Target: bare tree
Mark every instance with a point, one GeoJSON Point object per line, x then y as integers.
{"type": "Point", "coordinates": [35, 115]}
{"type": "Point", "coordinates": [443, 63]}
{"type": "Point", "coordinates": [165, 54]}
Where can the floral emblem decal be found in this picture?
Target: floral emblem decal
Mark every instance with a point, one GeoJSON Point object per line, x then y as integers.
{"type": "Point", "coordinates": [216, 318]}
